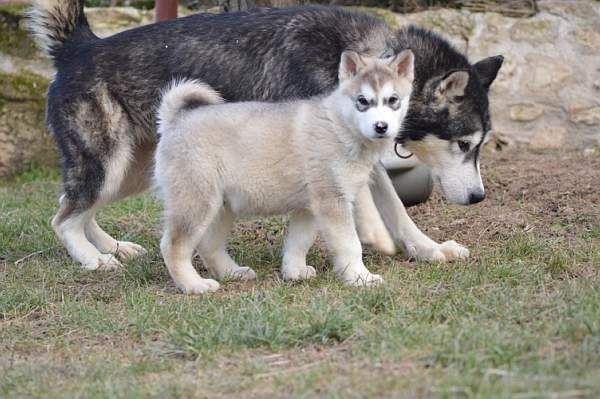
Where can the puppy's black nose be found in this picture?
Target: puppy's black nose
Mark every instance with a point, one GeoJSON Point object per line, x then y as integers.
{"type": "Point", "coordinates": [381, 127]}
{"type": "Point", "coordinates": [476, 197]}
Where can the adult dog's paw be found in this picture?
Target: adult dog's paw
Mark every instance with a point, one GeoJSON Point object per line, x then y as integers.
{"type": "Point", "coordinates": [453, 250]}
{"type": "Point", "coordinates": [445, 252]}
{"type": "Point", "coordinates": [198, 286]}
{"type": "Point", "coordinates": [103, 262]}
{"type": "Point", "coordinates": [128, 250]}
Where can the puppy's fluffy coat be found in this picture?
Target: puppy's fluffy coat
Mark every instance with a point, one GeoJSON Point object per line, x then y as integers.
{"type": "Point", "coordinates": [310, 158]}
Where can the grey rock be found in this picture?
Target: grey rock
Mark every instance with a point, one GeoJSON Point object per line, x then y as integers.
{"type": "Point", "coordinates": [586, 116]}
{"type": "Point", "coordinates": [548, 137]}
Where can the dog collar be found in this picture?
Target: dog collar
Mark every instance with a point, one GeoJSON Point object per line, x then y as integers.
{"type": "Point", "coordinates": [410, 154]}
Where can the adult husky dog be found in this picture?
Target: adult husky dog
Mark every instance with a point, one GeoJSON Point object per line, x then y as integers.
{"type": "Point", "coordinates": [102, 104]}
{"type": "Point", "coordinates": [310, 158]}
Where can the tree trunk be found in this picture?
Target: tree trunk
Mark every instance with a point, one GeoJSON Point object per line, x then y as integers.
{"type": "Point", "coordinates": [165, 9]}
{"type": "Point", "coordinates": [236, 5]}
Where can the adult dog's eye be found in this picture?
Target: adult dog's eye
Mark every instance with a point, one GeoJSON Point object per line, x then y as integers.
{"type": "Point", "coordinates": [464, 146]}
{"type": "Point", "coordinates": [393, 100]}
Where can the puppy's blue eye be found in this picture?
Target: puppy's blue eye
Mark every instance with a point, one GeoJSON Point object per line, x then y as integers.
{"type": "Point", "coordinates": [464, 146]}
{"type": "Point", "coordinates": [362, 104]}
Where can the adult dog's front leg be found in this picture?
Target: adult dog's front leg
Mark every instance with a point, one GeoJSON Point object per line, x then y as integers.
{"type": "Point", "coordinates": [403, 230]}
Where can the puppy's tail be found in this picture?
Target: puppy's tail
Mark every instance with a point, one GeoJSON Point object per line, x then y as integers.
{"type": "Point", "coordinates": [182, 96]}
{"type": "Point", "coordinates": [54, 23]}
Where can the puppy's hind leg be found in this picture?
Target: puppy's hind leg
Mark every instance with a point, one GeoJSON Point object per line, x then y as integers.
{"type": "Point", "coordinates": [184, 230]}
{"type": "Point", "coordinates": [302, 231]}
{"type": "Point", "coordinates": [213, 249]}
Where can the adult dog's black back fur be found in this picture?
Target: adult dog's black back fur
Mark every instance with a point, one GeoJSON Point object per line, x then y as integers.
{"type": "Point", "coordinates": [102, 102]}
{"type": "Point", "coordinates": [269, 55]}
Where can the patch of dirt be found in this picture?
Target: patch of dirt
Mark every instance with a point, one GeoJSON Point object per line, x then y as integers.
{"type": "Point", "coordinates": [549, 194]}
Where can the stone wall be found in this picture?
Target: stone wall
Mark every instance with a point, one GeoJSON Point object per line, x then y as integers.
{"type": "Point", "coordinates": [23, 137]}
{"type": "Point", "coordinates": [24, 77]}
{"type": "Point", "coordinates": [23, 82]}
{"type": "Point", "coordinates": [547, 94]}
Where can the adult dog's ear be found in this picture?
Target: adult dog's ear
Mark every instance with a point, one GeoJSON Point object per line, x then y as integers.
{"type": "Point", "coordinates": [453, 85]}
{"type": "Point", "coordinates": [350, 64]}
{"type": "Point", "coordinates": [487, 70]}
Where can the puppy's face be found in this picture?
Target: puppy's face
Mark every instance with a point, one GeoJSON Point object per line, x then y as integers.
{"type": "Point", "coordinates": [376, 93]}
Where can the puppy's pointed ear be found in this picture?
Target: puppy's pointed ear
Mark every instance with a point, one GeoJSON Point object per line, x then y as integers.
{"type": "Point", "coordinates": [350, 64]}
{"type": "Point", "coordinates": [453, 85]}
{"type": "Point", "coordinates": [404, 64]}
{"type": "Point", "coordinates": [487, 70]}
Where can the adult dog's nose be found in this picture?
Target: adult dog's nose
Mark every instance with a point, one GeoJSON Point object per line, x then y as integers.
{"type": "Point", "coordinates": [476, 197]}
{"type": "Point", "coordinates": [381, 127]}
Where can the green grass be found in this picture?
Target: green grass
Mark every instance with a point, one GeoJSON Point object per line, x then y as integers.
{"type": "Point", "coordinates": [521, 318]}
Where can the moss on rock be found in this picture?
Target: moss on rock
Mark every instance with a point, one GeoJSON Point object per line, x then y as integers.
{"type": "Point", "coordinates": [24, 141]}
{"type": "Point", "coordinates": [449, 22]}
{"type": "Point", "coordinates": [14, 39]}
{"type": "Point", "coordinates": [25, 86]}
{"type": "Point", "coordinates": [538, 30]}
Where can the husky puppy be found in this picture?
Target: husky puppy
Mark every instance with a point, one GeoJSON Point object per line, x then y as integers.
{"type": "Point", "coordinates": [309, 157]}
{"type": "Point", "coordinates": [102, 105]}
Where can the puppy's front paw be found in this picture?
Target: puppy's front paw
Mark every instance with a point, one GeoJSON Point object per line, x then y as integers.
{"type": "Point", "coordinates": [242, 273]}
{"type": "Point", "coordinates": [301, 272]}
{"type": "Point", "coordinates": [364, 280]}
{"type": "Point", "coordinates": [245, 273]}
{"type": "Point", "coordinates": [198, 286]}
{"type": "Point", "coordinates": [232, 271]}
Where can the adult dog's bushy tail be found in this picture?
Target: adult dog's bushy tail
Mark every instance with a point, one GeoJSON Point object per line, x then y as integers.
{"type": "Point", "coordinates": [53, 23]}
{"type": "Point", "coordinates": [183, 96]}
